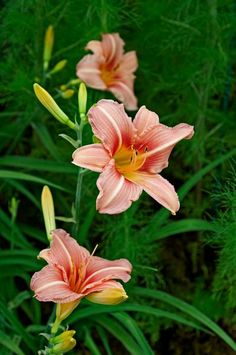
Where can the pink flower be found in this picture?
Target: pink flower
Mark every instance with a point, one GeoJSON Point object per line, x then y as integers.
{"type": "Point", "coordinates": [72, 274]}
{"type": "Point", "coordinates": [110, 69]}
{"type": "Point", "coordinates": [130, 157]}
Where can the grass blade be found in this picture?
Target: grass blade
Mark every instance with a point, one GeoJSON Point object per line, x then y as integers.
{"type": "Point", "coordinates": [183, 226]}
{"type": "Point", "coordinates": [159, 313]}
{"type": "Point", "coordinates": [91, 345]}
{"type": "Point", "coordinates": [187, 309]}
{"type": "Point", "coordinates": [133, 328]}
{"type": "Point", "coordinates": [53, 166]}
{"type": "Point", "coordinates": [7, 174]}
{"type": "Point", "coordinates": [7, 342]}
{"type": "Point", "coordinates": [121, 334]}
{"type": "Point", "coordinates": [160, 217]}
{"type": "Point", "coordinates": [16, 325]}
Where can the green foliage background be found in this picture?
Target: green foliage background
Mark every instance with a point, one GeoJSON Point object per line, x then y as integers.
{"type": "Point", "coordinates": [186, 51]}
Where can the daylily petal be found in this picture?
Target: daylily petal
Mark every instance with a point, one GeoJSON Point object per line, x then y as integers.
{"type": "Point", "coordinates": [145, 120]}
{"type": "Point", "coordinates": [48, 285]}
{"type": "Point", "coordinates": [158, 188]}
{"type": "Point", "coordinates": [111, 293]}
{"type": "Point", "coordinates": [88, 70]}
{"type": "Point", "coordinates": [124, 92]}
{"type": "Point", "coordinates": [159, 142]}
{"type": "Point", "coordinates": [99, 269]}
{"type": "Point", "coordinates": [112, 48]}
{"type": "Point", "coordinates": [111, 124]}
{"type": "Point", "coordinates": [96, 264]}
{"type": "Point", "coordinates": [128, 63]}
{"type": "Point", "coordinates": [116, 193]}
{"type": "Point", "coordinates": [64, 251]}
{"type": "Point", "coordinates": [95, 47]}
{"type": "Point", "coordinates": [93, 157]}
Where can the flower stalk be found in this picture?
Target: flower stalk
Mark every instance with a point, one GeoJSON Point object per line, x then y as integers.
{"type": "Point", "coordinates": [82, 105]}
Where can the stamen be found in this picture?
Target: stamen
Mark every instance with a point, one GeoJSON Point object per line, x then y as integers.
{"type": "Point", "coordinates": [73, 276]}
{"type": "Point", "coordinates": [130, 159]}
{"type": "Point", "coordinates": [93, 252]}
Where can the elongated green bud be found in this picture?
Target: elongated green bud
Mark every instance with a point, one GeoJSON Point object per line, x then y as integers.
{"type": "Point", "coordinates": [48, 211]}
{"type": "Point", "coordinates": [59, 66]}
{"type": "Point", "coordinates": [48, 46]}
{"type": "Point", "coordinates": [48, 102]}
{"type": "Point", "coordinates": [82, 99]}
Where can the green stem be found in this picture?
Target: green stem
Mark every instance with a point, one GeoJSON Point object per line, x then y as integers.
{"type": "Point", "coordinates": [77, 201]}
{"type": "Point", "coordinates": [55, 326]}
{"type": "Point", "coordinates": [78, 184]}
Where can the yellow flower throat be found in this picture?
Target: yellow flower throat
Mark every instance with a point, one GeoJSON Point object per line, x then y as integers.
{"type": "Point", "coordinates": [129, 159]}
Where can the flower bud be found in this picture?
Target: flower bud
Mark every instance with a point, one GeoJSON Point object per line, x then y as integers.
{"type": "Point", "coordinates": [63, 343]}
{"type": "Point", "coordinates": [67, 94]}
{"type": "Point", "coordinates": [59, 66]}
{"type": "Point", "coordinates": [63, 87]}
{"type": "Point", "coordinates": [48, 102]}
{"type": "Point", "coordinates": [64, 347]}
{"type": "Point", "coordinates": [63, 310]}
{"type": "Point", "coordinates": [48, 211]}
{"type": "Point", "coordinates": [75, 81]}
{"type": "Point", "coordinates": [48, 45]}
{"type": "Point", "coordinates": [82, 99]}
{"type": "Point", "coordinates": [109, 296]}
{"type": "Point", "coordinates": [67, 334]}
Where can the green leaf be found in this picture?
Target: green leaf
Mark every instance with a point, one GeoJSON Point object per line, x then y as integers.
{"type": "Point", "coordinates": [6, 228]}
{"type": "Point", "coordinates": [53, 166]}
{"type": "Point", "coordinates": [20, 297]}
{"type": "Point", "coordinates": [183, 226]}
{"type": "Point", "coordinates": [17, 326]}
{"type": "Point", "coordinates": [18, 186]}
{"type": "Point", "coordinates": [133, 328]}
{"type": "Point", "coordinates": [160, 217]}
{"type": "Point", "coordinates": [187, 309]}
{"type": "Point", "coordinates": [7, 174]}
{"type": "Point", "coordinates": [47, 140]}
{"type": "Point", "coordinates": [103, 337]}
{"type": "Point", "coordinates": [91, 345]}
{"type": "Point", "coordinates": [23, 259]}
{"type": "Point", "coordinates": [159, 313]}
{"type": "Point", "coordinates": [34, 233]}
{"type": "Point", "coordinates": [121, 334]}
{"type": "Point", "coordinates": [199, 175]}
{"type": "Point", "coordinates": [7, 342]}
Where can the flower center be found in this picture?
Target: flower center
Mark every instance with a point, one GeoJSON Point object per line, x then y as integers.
{"type": "Point", "coordinates": [76, 278]}
{"type": "Point", "coordinates": [107, 75]}
{"type": "Point", "coordinates": [129, 159]}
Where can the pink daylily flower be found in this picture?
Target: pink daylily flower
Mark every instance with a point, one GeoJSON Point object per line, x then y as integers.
{"type": "Point", "coordinates": [73, 273]}
{"type": "Point", "coordinates": [130, 157]}
{"type": "Point", "coordinates": [110, 69]}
